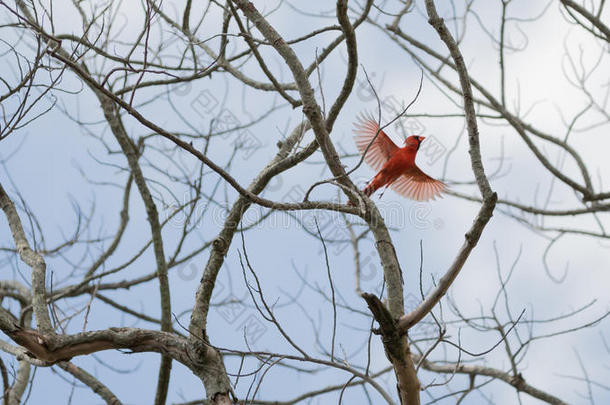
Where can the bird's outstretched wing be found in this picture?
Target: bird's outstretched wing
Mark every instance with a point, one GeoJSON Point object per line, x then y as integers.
{"type": "Point", "coordinates": [381, 149]}
{"type": "Point", "coordinates": [417, 185]}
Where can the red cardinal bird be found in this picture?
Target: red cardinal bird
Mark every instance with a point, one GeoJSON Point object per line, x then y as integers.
{"type": "Point", "coordinates": [398, 168]}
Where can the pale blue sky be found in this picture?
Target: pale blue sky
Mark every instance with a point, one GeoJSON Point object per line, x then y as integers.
{"type": "Point", "coordinates": [47, 171]}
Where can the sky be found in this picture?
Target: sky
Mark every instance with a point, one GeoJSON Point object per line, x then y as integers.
{"type": "Point", "coordinates": [57, 162]}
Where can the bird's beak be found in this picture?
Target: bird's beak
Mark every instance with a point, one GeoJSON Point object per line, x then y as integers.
{"type": "Point", "coordinates": [421, 138]}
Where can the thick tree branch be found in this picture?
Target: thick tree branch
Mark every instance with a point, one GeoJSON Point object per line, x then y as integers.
{"type": "Point", "coordinates": [32, 259]}
{"type": "Point", "coordinates": [397, 350]}
{"type": "Point", "coordinates": [489, 197]}
{"type": "Point", "coordinates": [595, 21]}
{"type": "Point", "coordinates": [517, 382]}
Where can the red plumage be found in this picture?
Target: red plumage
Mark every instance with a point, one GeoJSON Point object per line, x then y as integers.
{"type": "Point", "coordinates": [396, 165]}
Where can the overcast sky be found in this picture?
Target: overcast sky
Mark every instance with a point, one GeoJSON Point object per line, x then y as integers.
{"type": "Point", "coordinates": [56, 161]}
